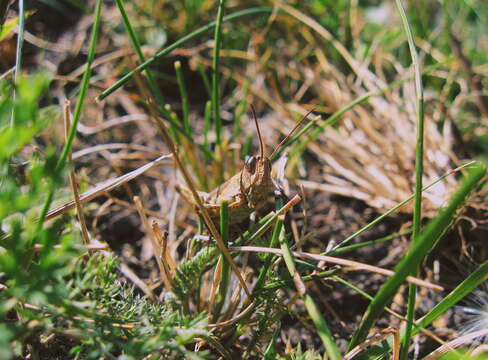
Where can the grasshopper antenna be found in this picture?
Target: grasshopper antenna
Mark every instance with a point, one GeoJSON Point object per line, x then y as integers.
{"type": "Point", "coordinates": [261, 145]}
{"type": "Point", "coordinates": [287, 137]}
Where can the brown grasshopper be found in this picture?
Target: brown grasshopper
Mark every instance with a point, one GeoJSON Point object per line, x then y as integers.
{"type": "Point", "coordinates": [248, 190]}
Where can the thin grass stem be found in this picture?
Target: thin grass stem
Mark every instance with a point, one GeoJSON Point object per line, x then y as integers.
{"type": "Point", "coordinates": [18, 51]}
{"type": "Point", "coordinates": [215, 96]}
{"type": "Point", "coordinates": [346, 249]}
{"type": "Point", "coordinates": [184, 98]}
{"type": "Point", "coordinates": [282, 283]}
{"type": "Point", "coordinates": [137, 48]}
{"type": "Point", "coordinates": [20, 39]}
{"type": "Point", "coordinates": [393, 209]}
{"type": "Point", "coordinates": [270, 352]}
{"type": "Point", "coordinates": [240, 110]}
{"type": "Point", "coordinates": [320, 324]}
{"type": "Point", "coordinates": [77, 112]}
{"type": "Point", "coordinates": [428, 238]}
{"type": "Point", "coordinates": [462, 290]}
{"type": "Point", "coordinates": [262, 226]}
{"type": "Point", "coordinates": [267, 260]}
{"type": "Point", "coordinates": [225, 277]}
{"type": "Point", "coordinates": [270, 220]}
{"type": "Point", "coordinates": [123, 80]}
{"type": "Point", "coordinates": [419, 169]}
{"type": "Point", "coordinates": [206, 81]}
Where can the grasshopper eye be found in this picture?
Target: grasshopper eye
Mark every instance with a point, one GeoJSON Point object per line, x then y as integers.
{"type": "Point", "coordinates": [251, 164]}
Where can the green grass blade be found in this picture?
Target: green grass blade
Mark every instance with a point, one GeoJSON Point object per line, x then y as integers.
{"type": "Point", "coordinates": [240, 110]}
{"type": "Point", "coordinates": [20, 38]}
{"type": "Point", "coordinates": [184, 98]}
{"type": "Point", "coordinates": [393, 209]}
{"type": "Point", "coordinates": [137, 48]}
{"type": "Point", "coordinates": [268, 260]}
{"type": "Point", "coordinates": [419, 150]}
{"type": "Point", "coordinates": [419, 170]}
{"type": "Point", "coordinates": [464, 288]}
{"type": "Point", "coordinates": [322, 328]}
{"type": "Point", "coordinates": [320, 324]}
{"type": "Point", "coordinates": [78, 108]}
{"type": "Point", "coordinates": [224, 282]}
{"type": "Point", "coordinates": [215, 98]}
{"type": "Point", "coordinates": [217, 345]}
{"type": "Point", "coordinates": [206, 128]}
{"type": "Point", "coordinates": [206, 81]}
{"type": "Point", "coordinates": [427, 239]}
{"type": "Point", "coordinates": [270, 353]}
{"type": "Point", "coordinates": [178, 43]}
{"type": "Point", "coordinates": [287, 254]}
{"type": "Point", "coordinates": [282, 283]}
{"type": "Point", "coordinates": [18, 51]}
{"type": "Point", "coordinates": [84, 86]}
{"type": "Point", "coordinates": [346, 249]}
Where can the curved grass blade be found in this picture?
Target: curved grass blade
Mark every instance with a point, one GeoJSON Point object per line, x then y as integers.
{"type": "Point", "coordinates": [463, 289]}
{"type": "Point", "coordinates": [179, 42]}
{"type": "Point", "coordinates": [215, 97]}
{"type": "Point", "coordinates": [426, 241]}
{"type": "Point", "coordinates": [184, 98]}
{"type": "Point", "coordinates": [323, 330]}
{"type": "Point", "coordinates": [18, 51]}
{"type": "Point", "coordinates": [393, 209]}
{"type": "Point", "coordinates": [419, 170]}
{"type": "Point", "coordinates": [479, 276]}
{"type": "Point", "coordinates": [20, 39]}
{"type": "Point", "coordinates": [78, 108]}
{"type": "Point", "coordinates": [224, 282]}
{"type": "Point", "coordinates": [137, 48]}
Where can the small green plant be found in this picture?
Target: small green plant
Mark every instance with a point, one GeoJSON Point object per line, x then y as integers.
{"type": "Point", "coordinates": [53, 296]}
{"type": "Point", "coordinates": [23, 183]}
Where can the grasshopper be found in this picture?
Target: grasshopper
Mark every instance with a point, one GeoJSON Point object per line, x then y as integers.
{"type": "Point", "coordinates": [248, 190]}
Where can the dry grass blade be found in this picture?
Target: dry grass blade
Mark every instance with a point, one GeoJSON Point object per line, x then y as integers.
{"type": "Point", "coordinates": [189, 182]}
{"type": "Point", "coordinates": [73, 181]}
{"type": "Point", "coordinates": [352, 265]}
{"type": "Point", "coordinates": [450, 346]}
{"type": "Point", "coordinates": [244, 312]}
{"type": "Point", "coordinates": [155, 241]}
{"type": "Point", "coordinates": [375, 339]}
{"type": "Point", "coordinates": [215, 285]}
{"type": "Point", "coordinates": [162, 239]}
{"type": "Point", "coordinates": [163, 244]}
{"type": "Point", "coordinates": [289, 135]}
{"type": "Point", "coordinates": [106, 186]}
{"type": "Point", "coordinates": [91, 247]}
{"type": "Point", "coordinates": [129, 274]}
{"type": "Point", "coordinates": [7, 73]}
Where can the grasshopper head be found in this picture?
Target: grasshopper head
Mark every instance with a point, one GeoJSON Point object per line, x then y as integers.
{"type": "Point", "coordinates": [256, 182]}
